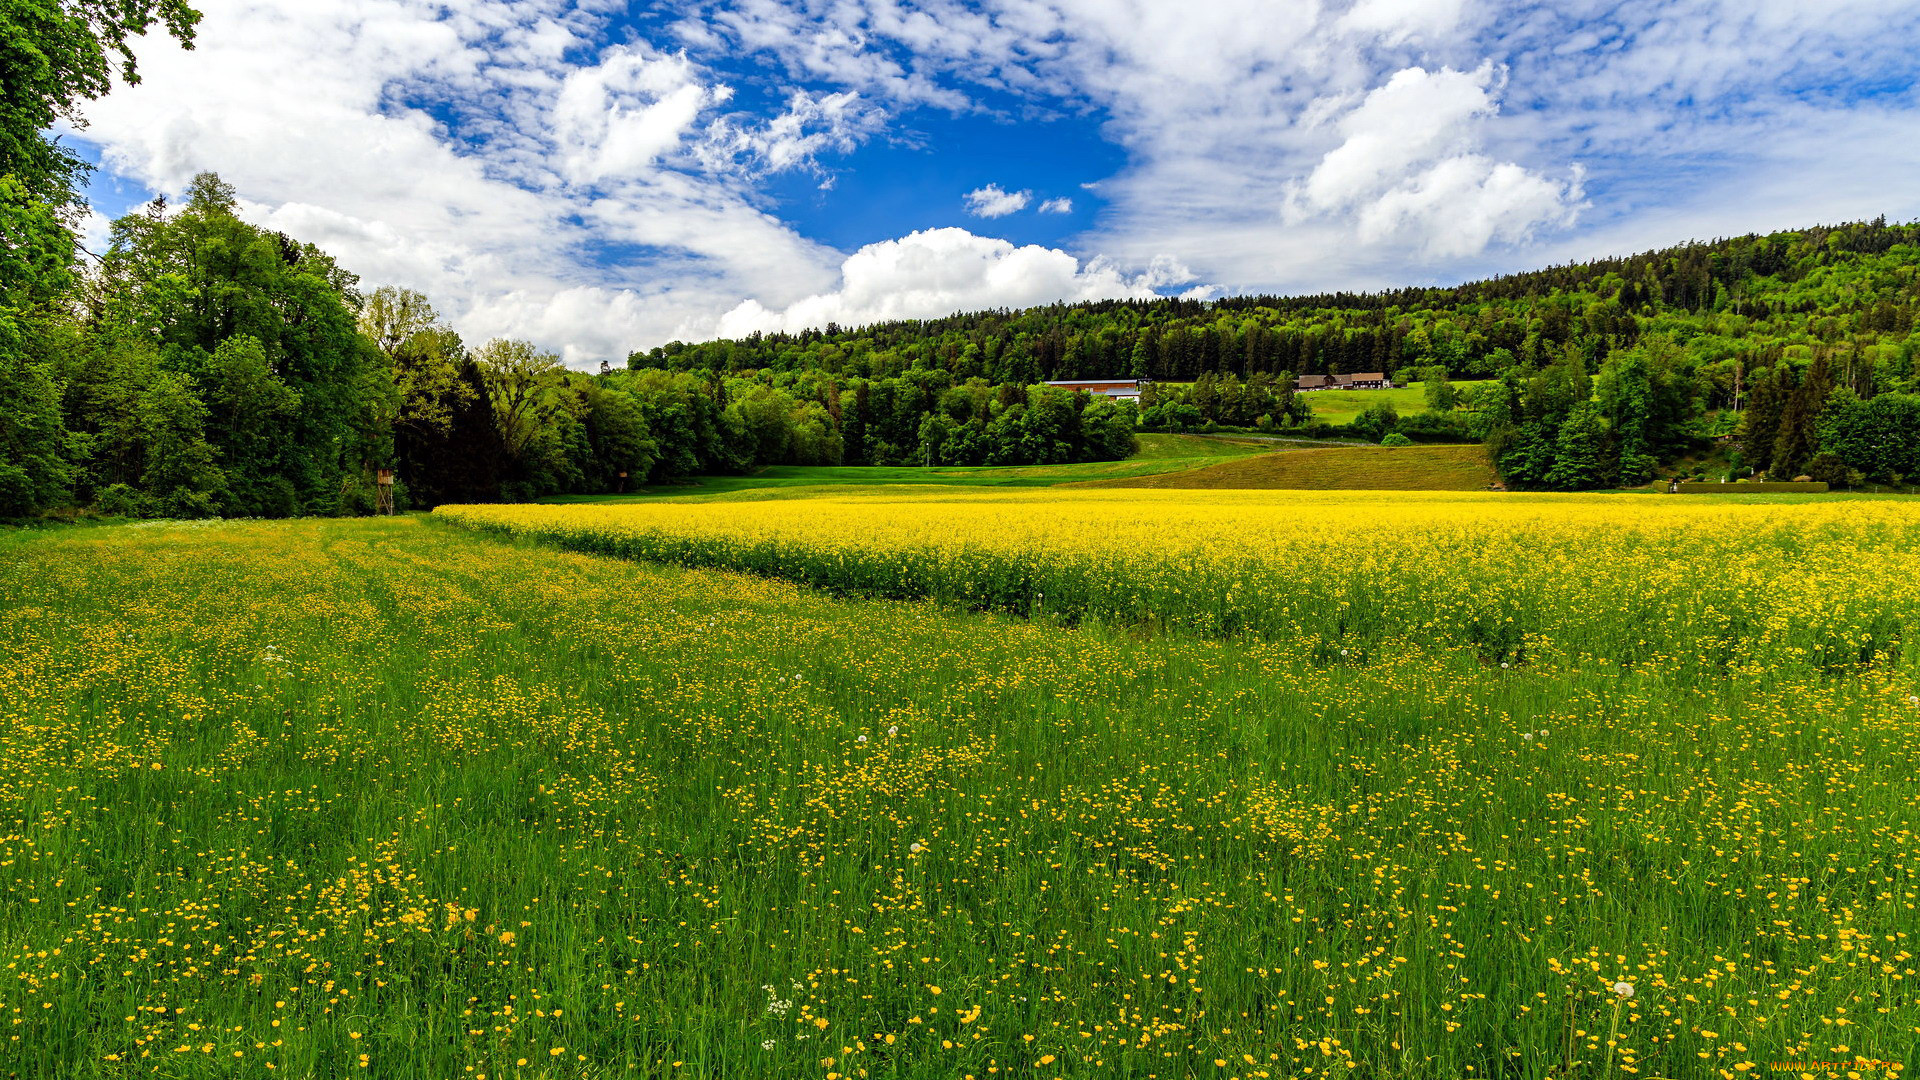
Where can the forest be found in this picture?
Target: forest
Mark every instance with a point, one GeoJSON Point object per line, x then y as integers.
{"type": "Point", "coordinates": [1797, 347]}
{"type": "Point", "coordinates": [204, 365]}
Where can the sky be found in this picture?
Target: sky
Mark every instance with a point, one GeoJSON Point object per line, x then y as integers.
{"type": "Point", "coordinates": [601, 177]}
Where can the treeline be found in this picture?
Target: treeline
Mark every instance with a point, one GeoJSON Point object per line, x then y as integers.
{"type": "Point", "coordinates": [206, 366]}
{"type": "Point", "coordinates": [1850, 284]}
{"type": "Point", "coordinates": [1593, 374]}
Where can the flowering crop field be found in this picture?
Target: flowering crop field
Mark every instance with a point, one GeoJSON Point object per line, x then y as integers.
{"type": "Point", "coordinates": [381, 798]}
{"type": "Point", "coordinates": [1646, 581]}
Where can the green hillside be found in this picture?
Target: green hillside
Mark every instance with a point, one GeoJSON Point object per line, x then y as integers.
{"type": "Point", "coordinates": [1799, 343]}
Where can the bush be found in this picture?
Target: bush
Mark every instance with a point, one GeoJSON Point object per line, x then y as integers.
{"type": "Point", "coordinates": [119, 500]}
{"type": "Point", "coordinates": [1829, 468]}
{"type": "Point", "coordinates": [1375, 421]}
{"type": "Point", "coordinates": [1394, 438]}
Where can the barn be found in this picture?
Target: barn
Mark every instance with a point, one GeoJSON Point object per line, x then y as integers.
{"type": "Point", "coordinates": [1118, 389]}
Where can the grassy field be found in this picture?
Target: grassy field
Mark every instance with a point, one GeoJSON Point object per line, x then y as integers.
{"type": "Point", "coordinates": [1340, 406]}
{"type": "Point", "coordinates": [1157, 454]}
{"type": "Point", "coordinates": [1354, 468]}
{"type": "Point", "coordinates": [392, 799]}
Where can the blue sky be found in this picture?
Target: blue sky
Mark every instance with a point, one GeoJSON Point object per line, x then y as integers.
{"type": "Point", "coordinates": [599, 177]}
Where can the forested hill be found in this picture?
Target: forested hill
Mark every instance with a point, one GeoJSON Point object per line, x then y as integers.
{"type": "Point", "coordinates": [1847, 291]}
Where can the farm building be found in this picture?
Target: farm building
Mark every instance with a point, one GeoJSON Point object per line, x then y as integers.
{"type": "Point", "coordinates": [1364, 380]}
{"type": "Point", "coordinates": [1118, 389]}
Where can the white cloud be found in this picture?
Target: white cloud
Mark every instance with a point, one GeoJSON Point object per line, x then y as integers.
{"type": "Point", "coordinates": [1416, 117]}
{"type": "Point", "coordinates": [543, 172]}
{"type": "Point", "coordinates": [93, 230]}
{"type": "Point", "coordinates": [1463, 204]}
{"type": "Point", "coordinates": [940, 271]}
{"type": "Point", "coordinates": [1393, 22]}
{"type": "Point", "coordinates": [812, 125]}
{"type": "Point", "coordinates": [570, 205]}
{"type": "Point", "coordinates": [1408, 171]}
{"type": "Point", "coordinates": [991, 202]}
{"type": "Point", "coordinates": [621, 116]}
{"type": "Point", "coordinates": [1226, 110]}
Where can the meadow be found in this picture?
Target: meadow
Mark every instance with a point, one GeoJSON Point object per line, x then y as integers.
{"type": "Point", "coordinates": [1340, 406]}
{"type": "Point", "coordinates": [1154, 455]}
{"type": "Point", "coordinates": [1344, 468]}
{"type": "Point", "coordinates": [397, 799]}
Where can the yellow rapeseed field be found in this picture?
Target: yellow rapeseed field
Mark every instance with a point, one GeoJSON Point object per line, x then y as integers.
{"type": "Point", "coordinates": [1671, 582]}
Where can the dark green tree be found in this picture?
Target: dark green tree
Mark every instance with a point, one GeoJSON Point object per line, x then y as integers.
{"type": "Point", "coordinates": [1580, 450]}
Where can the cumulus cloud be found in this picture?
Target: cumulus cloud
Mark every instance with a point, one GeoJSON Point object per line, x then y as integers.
{"type": "Point", "coordinates": [991, 202]}
{"type": "Point", "coordinates": [940, 271]}
{"type": "Point", "coordinates": [1061, 205]}
{"type": "Point", "coordinates": [1407, 170]}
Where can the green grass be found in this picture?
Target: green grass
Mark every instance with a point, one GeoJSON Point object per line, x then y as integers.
{"type": "Point", "coordinates": [1156, 454]}
{"type": "Point", "coordinates": [294, 793]}
{"type": "Point", "coordinates": [1358, 468]}
{"type": "Point", "coordinates": [1340, 406]}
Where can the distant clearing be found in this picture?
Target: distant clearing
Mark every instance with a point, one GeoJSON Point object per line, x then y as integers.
{"type": "Point", "coordinates": [1346, 468]}
{"type": "Point", "coordinates": [1340, 406]}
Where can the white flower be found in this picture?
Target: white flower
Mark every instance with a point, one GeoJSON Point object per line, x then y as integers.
{"type": "Point", "coordinates": [1543, 733]}
{"type": "Point", "coordinates": [768, 1045]}
{"type": "Point", "coordinates": [1624, 989]}
{"type": "Point", "coordinates": [862, 738]}
{"type": "Point", "coordinates": [893, 730]}
{"type": "Point", "coordinates": [1527, 735]}
{"type": "Point", "coordinates": [914, 848]}
{"type": "Point", "coordinates": [1503, 663]}
{"type": "Point", "coordinates": [1343, 652]}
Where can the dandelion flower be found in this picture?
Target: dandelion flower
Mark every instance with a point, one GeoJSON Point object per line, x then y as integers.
{"type": "Point", "coordinates": [1624, 989]}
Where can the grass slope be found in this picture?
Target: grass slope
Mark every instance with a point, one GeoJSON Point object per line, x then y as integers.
{"type": "Point", "coordinates": [1348, 468]}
